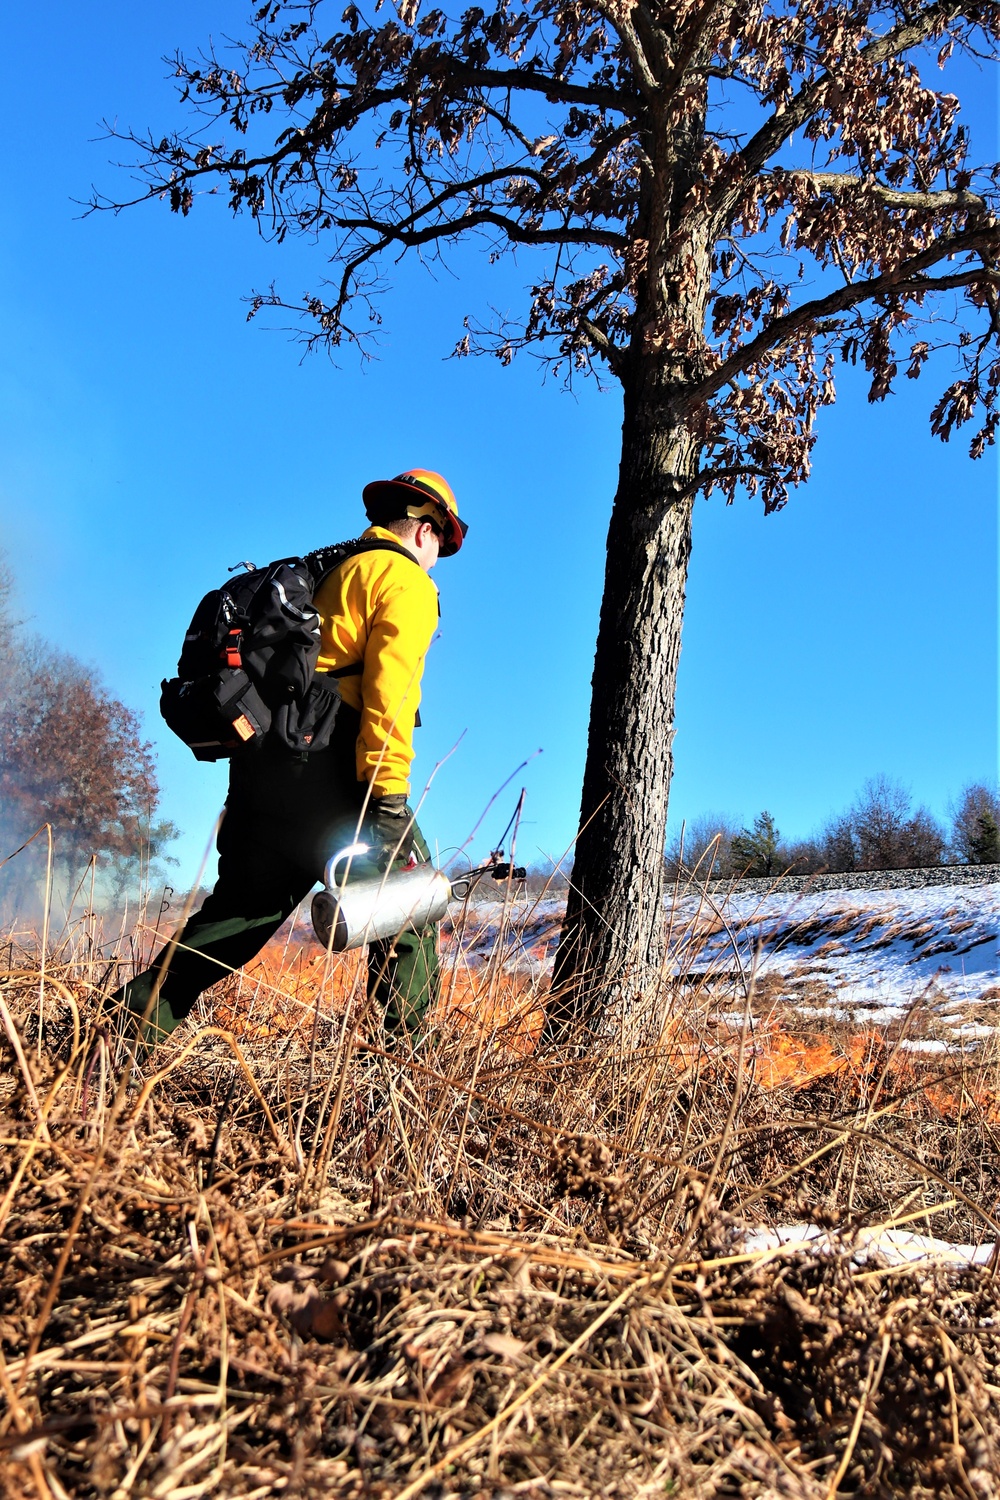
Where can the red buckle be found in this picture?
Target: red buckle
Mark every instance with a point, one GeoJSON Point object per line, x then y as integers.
{"type": "Point", "coordinates": [231, 648]}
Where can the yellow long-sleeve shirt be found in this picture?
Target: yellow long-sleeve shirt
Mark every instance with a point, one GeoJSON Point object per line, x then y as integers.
{"type": "Point", "coordinates": [381, 609]}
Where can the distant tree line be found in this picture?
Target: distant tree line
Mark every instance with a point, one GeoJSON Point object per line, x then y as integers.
{"type": "Point", "coordinates": [881, 830]}
{"type": "Point", "coordinates": [72, 756]}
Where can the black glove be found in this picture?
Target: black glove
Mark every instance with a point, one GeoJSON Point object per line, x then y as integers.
{"type": "Point", "coordinates": [390, 824]}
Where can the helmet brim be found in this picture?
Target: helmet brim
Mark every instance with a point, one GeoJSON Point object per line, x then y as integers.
{"type": "Point", "coordinates": [393, 499]}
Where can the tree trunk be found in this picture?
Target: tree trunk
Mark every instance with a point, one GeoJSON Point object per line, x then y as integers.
{"type": "Point", "coordinates": [613, 935]}
{"type": "Point", "coordinates": [612, 941]}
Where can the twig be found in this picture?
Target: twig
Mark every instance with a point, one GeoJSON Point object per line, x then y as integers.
{"type": "Point", "coordinates": [871, 1386]}
{"type": "Point", "coordinates": [45, 943]}
{"type": "Point", "coordinates": [22, 1061]}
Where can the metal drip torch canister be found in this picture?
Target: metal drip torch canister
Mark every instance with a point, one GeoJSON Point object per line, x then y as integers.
{"type": "Point", "coordinates": [348, 916]}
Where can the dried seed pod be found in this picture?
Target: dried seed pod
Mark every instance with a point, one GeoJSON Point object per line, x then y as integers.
{"type": "Point", "coordinates": [582, 1167]}
{"type": "Point", "coordinates": [334, 1271]}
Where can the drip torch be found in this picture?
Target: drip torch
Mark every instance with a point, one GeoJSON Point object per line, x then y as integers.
{"type": "Point", "coordinates": [349, 915]}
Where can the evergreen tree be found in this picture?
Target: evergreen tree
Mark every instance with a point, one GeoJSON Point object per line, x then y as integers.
{"type": "Point", "coordinates": [984, 847]}
{"type": "Point", "coordinates": [755, 850]}
{"type": "Point", "coordinates": [975, 818]}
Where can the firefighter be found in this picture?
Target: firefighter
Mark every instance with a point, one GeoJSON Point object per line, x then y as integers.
{"type": "Point", "coordinates": [286, 814]}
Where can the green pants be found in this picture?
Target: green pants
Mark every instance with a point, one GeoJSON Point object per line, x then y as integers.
{"type": "Point", "coordinates": [285, 816]}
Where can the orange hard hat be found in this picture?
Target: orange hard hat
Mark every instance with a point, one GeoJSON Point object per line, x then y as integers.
{"type": "Point", "coordinates": [422, 495]}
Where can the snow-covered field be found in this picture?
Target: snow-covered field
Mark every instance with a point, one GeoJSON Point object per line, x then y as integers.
{"type": "Point", "coordinates": [861, 956]}
{"type": "Point", "coordinates": [874, 953]}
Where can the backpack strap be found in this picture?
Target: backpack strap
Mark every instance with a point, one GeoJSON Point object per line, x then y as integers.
{"type": "Point", "coordinates": [353, 670]}
{"type": "Point", "coordinates": [326, 560]}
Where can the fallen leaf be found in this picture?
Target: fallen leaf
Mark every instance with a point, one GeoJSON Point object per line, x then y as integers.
{"type": "Point", "coordinates": [309, 1312]}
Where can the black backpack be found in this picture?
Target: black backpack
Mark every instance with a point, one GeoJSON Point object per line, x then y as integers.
{"type": "Point", "coordinates": [247, 669]}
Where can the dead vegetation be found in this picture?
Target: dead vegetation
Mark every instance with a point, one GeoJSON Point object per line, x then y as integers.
{"type": "Point", "coordinates": [294, 1261]}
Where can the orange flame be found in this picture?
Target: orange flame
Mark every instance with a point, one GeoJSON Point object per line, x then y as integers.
{"type": "Point", "coordinates": [280, 993]}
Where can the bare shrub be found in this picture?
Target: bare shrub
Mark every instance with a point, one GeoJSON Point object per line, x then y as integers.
{"type": "Point", "coordinates": [889, 835]}
{"type": "Point", "coordinates": [803, 857]}
{"type": "Point", "coordinates": [546, 879]}
{"type": "Point", "coordinates": [882, 831]}
{"type": "Point", "coordinates": [704, 844]}
{"type": "Point", "coordinates": [839, 845]}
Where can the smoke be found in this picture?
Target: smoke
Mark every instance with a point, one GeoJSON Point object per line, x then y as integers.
{"type": "Point", "coordinates": [78, 787]}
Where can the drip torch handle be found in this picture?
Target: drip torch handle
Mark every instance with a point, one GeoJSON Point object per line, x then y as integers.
{"type": "Point", "coordinates": [330, 873]}
{"type": "Point", "coordinates": [461, 887]}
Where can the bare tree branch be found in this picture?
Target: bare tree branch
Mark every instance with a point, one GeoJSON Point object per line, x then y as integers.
{"type": "Point", "coordinates": [904, 279]}
{"type": "Point", "coordinates": [517, 233]}
{"type": "Point", "coordinates": [614, 356]}
{"type": "Point", "coordinates": [523, 80]}
{"type": "Point", "coordinates": [618, 17]}
{"type": "Point", "coordinates": [849, 182]}
{"type": "Point", "coordinates": [716, 476]}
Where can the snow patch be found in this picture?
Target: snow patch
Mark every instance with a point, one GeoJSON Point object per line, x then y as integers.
{"type": "Point", "coordinates": [896, 1246]}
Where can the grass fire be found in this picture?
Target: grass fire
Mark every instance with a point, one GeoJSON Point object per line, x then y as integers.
{"type": "Point", "coordinates": [744, 1245]}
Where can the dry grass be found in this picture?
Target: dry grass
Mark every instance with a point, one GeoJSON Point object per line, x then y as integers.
{"type": "Point", "coordinates": [292, 1260]}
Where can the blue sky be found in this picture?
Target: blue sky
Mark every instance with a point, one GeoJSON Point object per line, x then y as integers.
{"type": "Point", "coordinates": [149, 437]}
